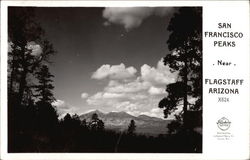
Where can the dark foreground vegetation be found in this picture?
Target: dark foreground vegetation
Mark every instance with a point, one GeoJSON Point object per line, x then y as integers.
{"type": "Point", "coordinates": [34, 133]}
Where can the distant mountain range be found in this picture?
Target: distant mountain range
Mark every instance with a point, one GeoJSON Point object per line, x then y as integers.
{"type": "Point", "coordinates": [119, 121]}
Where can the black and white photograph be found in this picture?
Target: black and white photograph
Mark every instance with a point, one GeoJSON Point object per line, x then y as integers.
{"type": "Point", "coordinates": [104, 79]}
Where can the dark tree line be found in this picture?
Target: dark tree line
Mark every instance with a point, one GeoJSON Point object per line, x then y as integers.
{"type": "Point", "coordinates": [30, 88]}
{"type": "Point", "coordinates": [33, 124]}
{"type": "Point", "coordinates": [185, 44]}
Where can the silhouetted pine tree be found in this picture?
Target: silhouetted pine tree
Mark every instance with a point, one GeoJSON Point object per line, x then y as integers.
{"type": "Point", "coordinates": [47, 115]}
{"type": "Point", "coordinates": [44, 88]}
{"type": "Point", "coordinates": [96, 124]}
{"type": "Point", "coordinates": [131, 127]}
{"type": "Point", "coordinates": [23, 33]}
{"type": "Point", "coordinates": [23, 30]}
{"type": "Point", "coordinates": [185, 44]}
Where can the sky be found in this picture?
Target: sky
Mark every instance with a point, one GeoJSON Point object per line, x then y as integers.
{"type": "Point", "coordinates": [108, 59]}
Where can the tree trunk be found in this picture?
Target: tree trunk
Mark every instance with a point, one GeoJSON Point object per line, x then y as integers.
{"type": "Point", "coordinates": [22, 83]}
{"type": "Point", "coordinates": [13, 70]}
{"type": "Point", "coordinates": [22, 86]}
{"type": "Point", "coordinates": [185, 94]}
{"type": "Point", "coordinates": [11, 80]}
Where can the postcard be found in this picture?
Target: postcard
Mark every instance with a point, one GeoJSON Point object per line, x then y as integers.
{"type": "Point", "coordinates": [125, 80]}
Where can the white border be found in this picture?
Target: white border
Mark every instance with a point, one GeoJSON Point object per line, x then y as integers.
{"type": "Point", "coordinates": [92, 156]}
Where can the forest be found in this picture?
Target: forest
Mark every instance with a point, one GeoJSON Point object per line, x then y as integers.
{"type": "Point", "coordinates": [34, 124]}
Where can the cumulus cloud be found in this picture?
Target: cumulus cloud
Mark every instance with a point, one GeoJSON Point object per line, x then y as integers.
{"type": "Point", "coordinates": [63, 108]}
{"type": "Point", "coordinates": [161, 75]}
{"type": "Point", "coordinates": [59, 103]}
{"type": "Point", "coordinates": [36, 49]}
{"type": "Point", "coordinates": [132, 103]}
{"type": "Point", "coordinates": [137, 93]}
{"type": "Point", "coordinates": [127, 106]}
{"type": "Point", "coordinates": [132, 17]}
{"type": "Point", "coordinates": [114, 72]}
{"type": "Point", "coordinates": [156, 91]}
{"type": "Point", "coordinates": [127, 87]}
{"type": "Point", "coordinates": [84, 95]}
{"type": "Point", "coordinates": [106, 98]}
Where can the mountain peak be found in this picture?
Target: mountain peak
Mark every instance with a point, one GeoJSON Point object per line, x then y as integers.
{"type": "Point", "coordinates": [90, 113]}
{"type": "Point", "coordinates": [119, 121]}
{"type": "Point", "coordinates": [95, 111]}
{"type": "Point", "coordinates": [143, 116]}
{"type": "Point", "coordinates": [120, 114]}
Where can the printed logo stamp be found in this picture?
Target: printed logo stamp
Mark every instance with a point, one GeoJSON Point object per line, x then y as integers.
{"type": "Point", "coordinates": [223, 124]}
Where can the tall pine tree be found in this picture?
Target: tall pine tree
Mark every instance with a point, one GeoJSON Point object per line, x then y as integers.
{"type": "Point", "coordinates": [96, 124]}
{"type": "Point", "coordinates": [47, 115]}
{"type": "Point", "coordinates": [24, 33]}
{"type": "Point", "coordinates": [45, 86]}
{"type": "Point", "coordinates": [185, 44]}
{"type": "Point", "coordinates": [131, 127]}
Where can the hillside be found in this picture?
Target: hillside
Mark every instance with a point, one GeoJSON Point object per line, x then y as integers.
{"type": "Point", "coordinates": [119, 121]}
